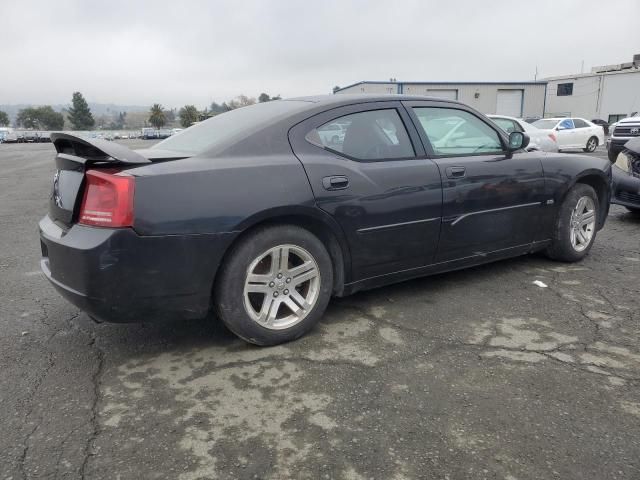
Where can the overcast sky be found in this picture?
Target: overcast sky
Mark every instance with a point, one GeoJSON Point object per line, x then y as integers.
{"type": "Point", "coordinates": [180, 51]}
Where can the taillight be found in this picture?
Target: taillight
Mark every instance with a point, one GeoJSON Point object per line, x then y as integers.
{"type": "Point", "coordinates": [108, 200]}
{"type": "Point", "coordinates": [552, 137]}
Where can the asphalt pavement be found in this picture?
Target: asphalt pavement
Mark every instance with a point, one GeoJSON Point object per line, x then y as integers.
{"type": "Point", "coordinates": [477, 374]}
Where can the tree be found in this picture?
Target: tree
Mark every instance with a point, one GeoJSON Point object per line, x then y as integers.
{"type": "Point", "coordinates": [216, 108]}
{"type": "Point", "coordinates": [4, 119]}
{"type": "Point", "coordinates": [240, 101]}
{"type": "Point", "coordinates": [50, 119]}
{"type": "Point", "coordinates": [157, 117]}
{"type": "Point", "coordinates": [188, 115]}
{"type": "Point", "coordinates": [80, 114]}
{"type": "Point", "coordinates": [41, 118]}
{"type": "Point", "coordinates": [27, 118]}
{"type": "Point", "coordinates": [264, 97]}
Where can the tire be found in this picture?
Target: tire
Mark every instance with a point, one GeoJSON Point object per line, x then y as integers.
{"type": "Point", "coordinates": [591, 145]}
{"type": "Point", "coordinates": [562, 246]}
{"type": "Point", "coordinates": [242, 311]}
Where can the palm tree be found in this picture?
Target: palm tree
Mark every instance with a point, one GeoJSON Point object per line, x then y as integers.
{"type": "Point", "coordinates": [157, 118]}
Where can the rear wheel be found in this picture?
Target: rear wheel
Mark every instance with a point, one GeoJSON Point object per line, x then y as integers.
{"type": "Point", "coordinates": [275, 285]}
{"type": "Point", "coordinates": [591, 145]}
{"type": "Point", "coordinates": [576, 226]}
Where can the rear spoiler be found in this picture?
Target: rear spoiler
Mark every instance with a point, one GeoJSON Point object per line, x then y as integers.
{"type": "Point", "coordinates": [95, 150]}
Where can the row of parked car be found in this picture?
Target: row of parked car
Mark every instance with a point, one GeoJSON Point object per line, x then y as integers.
{"type": "Point", "coordinates": [40, 137]}
{"type": "Point", "coordinates": [24, 137]}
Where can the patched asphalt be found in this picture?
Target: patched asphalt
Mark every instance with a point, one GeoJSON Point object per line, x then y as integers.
{"type": "Point", "coordinates": [473, 374]}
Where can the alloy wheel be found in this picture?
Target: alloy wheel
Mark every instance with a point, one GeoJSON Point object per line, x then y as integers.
{"type": "Point", "coordinates": [583, 223]}
{"type": "Point", "coordinates": [281, 287]}
{"type": "Point", "coordinates": [591, 144]}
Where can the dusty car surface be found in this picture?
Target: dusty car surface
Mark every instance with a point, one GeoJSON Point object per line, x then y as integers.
{"type": "Point", "coordinates": [258, 215]}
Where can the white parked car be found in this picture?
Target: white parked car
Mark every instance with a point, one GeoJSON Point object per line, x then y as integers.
{"type": "Point", "coordinates": [539, 140]}
{"type": "Point", "coordinates": [573, 132]}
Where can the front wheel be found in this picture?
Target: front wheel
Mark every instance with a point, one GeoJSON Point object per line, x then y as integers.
{"type": "Point", "coordinates": [576, 226]}
{"type": "Point", "coordinates": [591, 145]}
{"type": "Point", "coordinates": [275, 285]}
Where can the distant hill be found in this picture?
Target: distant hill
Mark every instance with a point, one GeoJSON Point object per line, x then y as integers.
{"type": "Point", "coordinates": [97, 109]}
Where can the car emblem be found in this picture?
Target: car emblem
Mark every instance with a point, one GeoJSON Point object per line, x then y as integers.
{"type": "Point", "coordinates": [56, 189]}
{"type": "Point", "coordinates": [634, 131]}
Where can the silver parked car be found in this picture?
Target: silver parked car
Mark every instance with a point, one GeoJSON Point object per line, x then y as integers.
{"type": "Point", "coordinates": [539, 139]}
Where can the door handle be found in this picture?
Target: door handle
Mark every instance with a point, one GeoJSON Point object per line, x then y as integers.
{"type": "Point", "coordinates": [336, 182]}
{"type": "Point", "coordinates": [456, 172]}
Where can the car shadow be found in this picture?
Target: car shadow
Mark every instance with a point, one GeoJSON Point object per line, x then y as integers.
{"type": "Point", "coordinates": [159, 336]}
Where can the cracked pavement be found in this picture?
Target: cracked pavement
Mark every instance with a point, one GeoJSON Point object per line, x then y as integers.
{"type": "Point", "coordinates": [472, 374]}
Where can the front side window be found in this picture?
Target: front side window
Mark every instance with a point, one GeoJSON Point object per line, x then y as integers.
{"type": "Point", "coordinates": [457, 132]}
{"type": "Point", "coordinates": [566, 124]}
{"type": "Point", "coordinates": [580, 123]}
{"type": "Point", "coordinates": [507, 125]}
{"type": "Point", "coordinates": [565, 89]}
{"type": "Point", "coordinates": [371, 135]}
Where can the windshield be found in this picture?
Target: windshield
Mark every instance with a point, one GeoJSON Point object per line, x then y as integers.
{"type": "Point", "coordinates": [545, 124]}
{"type": "Point", "coordinates": [229, 125]}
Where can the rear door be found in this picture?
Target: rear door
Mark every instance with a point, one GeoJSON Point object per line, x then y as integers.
{"type": "Point", "coordinates": [492, 201]}
{"type": "Point", "coordinates": [583, 131]}
{"type": "Point", "coordinates": [375, 181]}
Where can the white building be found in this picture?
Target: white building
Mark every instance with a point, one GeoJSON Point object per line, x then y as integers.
{"type": "Point", "coordinates": [516, 99]}
{"type": "Point", "coordinates": [610, 92]}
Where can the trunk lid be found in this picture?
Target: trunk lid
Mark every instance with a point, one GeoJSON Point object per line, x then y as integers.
{"type": "Point", "coordinates": [75, 155]}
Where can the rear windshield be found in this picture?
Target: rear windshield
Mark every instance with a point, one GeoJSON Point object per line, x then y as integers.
{"type": "Point", "coordinates": [545, 124]}
{"type": "Point", "coordinates": [228, 126]}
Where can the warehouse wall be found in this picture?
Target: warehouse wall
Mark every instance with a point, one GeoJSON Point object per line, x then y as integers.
{"type": "Point", "coordinates": [596, 96]}
{"type": "Point", "coordinates": [533, 94]}
{"type": "Point", "coordinates": [582, 103]}
{"type": "Point", "coordinates": [620, 94]}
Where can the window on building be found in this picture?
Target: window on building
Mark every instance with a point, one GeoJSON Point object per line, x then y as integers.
{"type": "Point", "coordinates": [457, 132]}
{"type": "Point", "coordinates": [565, 89]}
{"type": "Point", "coordinates": [616, 117]}
{"type": "Point", "coordinates": [370, 135]}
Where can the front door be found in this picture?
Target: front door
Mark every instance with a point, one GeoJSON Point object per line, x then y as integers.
{"type": "Point", "coordinates": [374, 179]}
{"type": "Point", "coordinates": [566, 134]}
{"type": "Point", "coordinates": [492, 201]}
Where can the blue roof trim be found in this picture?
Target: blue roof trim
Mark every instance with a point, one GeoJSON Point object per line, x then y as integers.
{"type": "Point", "coordinates": [402, 84]}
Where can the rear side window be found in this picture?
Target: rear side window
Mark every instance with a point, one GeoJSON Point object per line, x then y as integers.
{"type": "Point", "coordinates": [457, 132]}
{"type": "Point", "coordinates": [580, 123]}
{"type": "Point", "coordinates": [371, 135]}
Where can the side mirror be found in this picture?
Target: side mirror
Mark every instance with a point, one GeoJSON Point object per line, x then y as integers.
{"type": "Point", "coordinates": [518, 141]}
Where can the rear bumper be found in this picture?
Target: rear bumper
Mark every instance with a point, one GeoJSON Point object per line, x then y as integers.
{"type": "Point", "coordinates": [116, 275]}
{"type": "Point", "coordinates": [625, 189]}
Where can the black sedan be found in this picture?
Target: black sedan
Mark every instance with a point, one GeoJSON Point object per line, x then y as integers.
{"type": "Point", "coordinates": [626, 177]}
{"type": "Point", "coordinates": [260, 215]}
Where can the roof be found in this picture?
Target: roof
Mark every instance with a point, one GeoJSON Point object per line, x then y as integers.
{"type": "Point", "coordinates": [591, 74]}
{"type": "Point", "coordinates": [352, 98]}
{"type": "Point", "coordinates": [379, 82]}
